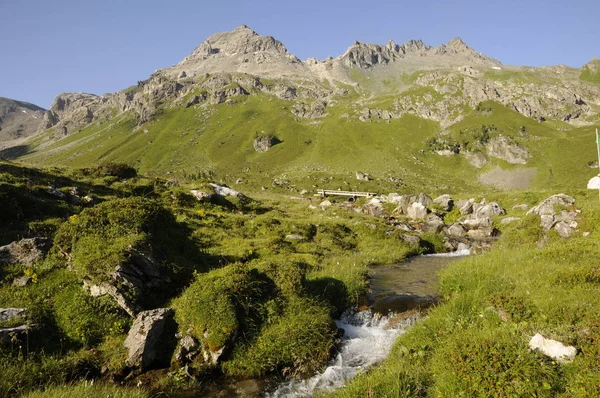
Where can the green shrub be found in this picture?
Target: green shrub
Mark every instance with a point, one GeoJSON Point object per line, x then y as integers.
{"type": "Point", "coordinates": [118, 170]}
{"type": "Point", "coordinates": [301, 339]}
{"type": "Point", "coordinates": [221, 303]}
{"type": "Point", "coordinates": [432, 243]}
{"type": "Point", "coordinates": [102, 237]}
{"type": "Point", "coordinates": [85, 319]}
{"type": "Point", "coordinates": [46, 228]}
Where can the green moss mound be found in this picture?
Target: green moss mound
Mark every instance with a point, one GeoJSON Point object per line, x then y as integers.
{"type": "Point", "coordinates": [300, 339]}
{"type": "Point", "coordinates": [86, 320]}
{"type": "Point", "coordinates": [104, 236]}
{"type": "Point", "coordinates": [220, 303]}
{"type": "Point", "coordinates": [261, 319]}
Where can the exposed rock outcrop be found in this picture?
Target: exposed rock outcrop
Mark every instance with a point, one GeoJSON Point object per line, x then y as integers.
{"type": "Point", "coordinates": [18, 119]}
{"type": "Point", "coordinates": [503, 148]}
{"type": "Point", "coordinates": [263, 143]}
{"type": "Point", "coordinates": [133, 282]}
{"type": "Point", "coordinates": [151, 339]}
{"type": "Point", "coordinates": [557, 212]}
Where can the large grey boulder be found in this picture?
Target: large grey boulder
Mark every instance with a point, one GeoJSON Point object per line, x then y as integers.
{"type": "Point", "coordinates": [465, 206]}
{"type": "Point", "coordinates": [434, 224]}
{"type": "Point", "coordinates": [489, 210]}
{"type": "Point", "coordinates": [149, 340]}
{"type": "Point", "coordinates": [416, 211]}
{"type": "Point", "coordinates": [445, 202]}
{"type": "Point", "coordinates": [264, 142]}
{"type": "Point", "coordinates": [456, 230]}
{"type": "Point", "coordinates": [405, 201]}
{"type": "Point", "coordinates": [26, 251]}
{"type": "Point", "coordinates": [549, 205]}
{"type": "Point", "coordinates": [226, 191]}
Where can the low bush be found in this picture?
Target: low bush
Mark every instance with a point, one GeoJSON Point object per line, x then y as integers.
{"type": "Point", "coordinates": [85, 319]}
{"type": "Point", "coordinates": [220, 304]}
{"type": "Point", "coordinates": [102, 237]}
{"type": "Point", "coordinates": [301, 340]}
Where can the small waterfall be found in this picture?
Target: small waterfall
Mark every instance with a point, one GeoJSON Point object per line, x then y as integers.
{"type": "Point", "coordinates": [368, 339]}
{"type": "Point", "coordinates": [462, 250]}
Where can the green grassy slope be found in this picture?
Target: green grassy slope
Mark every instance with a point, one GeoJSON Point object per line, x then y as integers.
{"type": "Point", "coordinates": [475, 343]}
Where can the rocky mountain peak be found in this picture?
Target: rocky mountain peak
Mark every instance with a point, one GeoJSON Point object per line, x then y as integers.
{"type": "Point", "coordinates": [241, 40]}
{"type": "Point", "coordinates": [593, 65]}
{"type": "Point", "coordinates": [454, 46]}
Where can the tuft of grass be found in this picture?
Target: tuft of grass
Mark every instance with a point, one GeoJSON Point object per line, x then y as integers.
{"type": "Point", "coordinates": [89, 390]}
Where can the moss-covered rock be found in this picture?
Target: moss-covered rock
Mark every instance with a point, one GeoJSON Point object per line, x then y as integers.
{"type": "Point", "coordinates": [131, 248]}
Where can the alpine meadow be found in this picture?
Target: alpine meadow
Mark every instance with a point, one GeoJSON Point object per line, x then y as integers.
{"type": "Point", "coordinates": [403, 220]}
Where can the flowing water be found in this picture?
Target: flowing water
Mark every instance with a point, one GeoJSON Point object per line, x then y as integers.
{"type": "Point", "coordinates": [368, 335]}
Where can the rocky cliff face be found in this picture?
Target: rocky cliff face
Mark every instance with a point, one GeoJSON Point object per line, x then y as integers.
{"type": "Point", "coordinates": [444, 82]}
{"type": "Point", "coordinates": [18, 119]}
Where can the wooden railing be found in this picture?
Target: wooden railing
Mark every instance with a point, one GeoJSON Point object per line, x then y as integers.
{"type": "Point", "coordinates": [331, 192]}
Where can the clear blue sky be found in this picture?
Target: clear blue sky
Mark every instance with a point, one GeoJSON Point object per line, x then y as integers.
{"type": "Point", "coordinates": [49, 47]}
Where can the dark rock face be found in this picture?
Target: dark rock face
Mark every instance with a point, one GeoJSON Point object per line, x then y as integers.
{"type": "Point", "coordinates": [264, 142]}
{"type": "Point", "coordinates": [151, 339]}
{"type": "Point", "coordinates": [18, 119]}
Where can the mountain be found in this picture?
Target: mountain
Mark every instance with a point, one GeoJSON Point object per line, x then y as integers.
{"type": "Point", "coordinates": [18, 119]}
{"type": "Point", "coordinates": [410, 113]}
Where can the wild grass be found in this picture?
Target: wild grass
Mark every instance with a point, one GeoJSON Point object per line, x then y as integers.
{"type": "Point", "coordinates": [475, 343]}
{"type": "Point", "coordinates": [89, 390]}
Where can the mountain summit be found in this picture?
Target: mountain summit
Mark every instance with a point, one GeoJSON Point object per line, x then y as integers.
{"type": "Point", "coordinates": [242, 50]}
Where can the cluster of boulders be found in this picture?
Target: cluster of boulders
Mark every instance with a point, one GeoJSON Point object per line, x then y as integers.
{"type": "Point", "coordinates": [26, 252]}
{"type": "Point", "coordinates": [557, 212]}
{"type": "Point", "coordinates": [72, 196]}
{"type": "Point", "coordinates": [418, 213]}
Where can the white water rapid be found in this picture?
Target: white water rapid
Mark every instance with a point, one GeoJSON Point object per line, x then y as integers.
{"type": "Point", "coordinates": [367, 340]}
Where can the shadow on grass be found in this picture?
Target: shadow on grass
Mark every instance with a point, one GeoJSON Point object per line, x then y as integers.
{"type": "Point", "coordinates": [14, 152]}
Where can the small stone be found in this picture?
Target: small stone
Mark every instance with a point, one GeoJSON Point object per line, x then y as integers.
{"type": "Point", "coordinates": [362, 176]}
{"type": "Point", "coordinates": [294, 237]}
{"type": "Point", "coordinates": [554, 349]}
{"type": "Point", "coordinates": [22, 281]}
{"type": "Point", "coordinates": [324, 204]}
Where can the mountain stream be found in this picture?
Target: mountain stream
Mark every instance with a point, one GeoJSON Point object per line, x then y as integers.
{"type": "Point", "coordinates": [368, 334]}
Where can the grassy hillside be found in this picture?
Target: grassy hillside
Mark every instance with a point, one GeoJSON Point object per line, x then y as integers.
{"type": "Point", "coordinates": [475, 343]}
{"type": "Point", "coordinates": [218, 140]}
